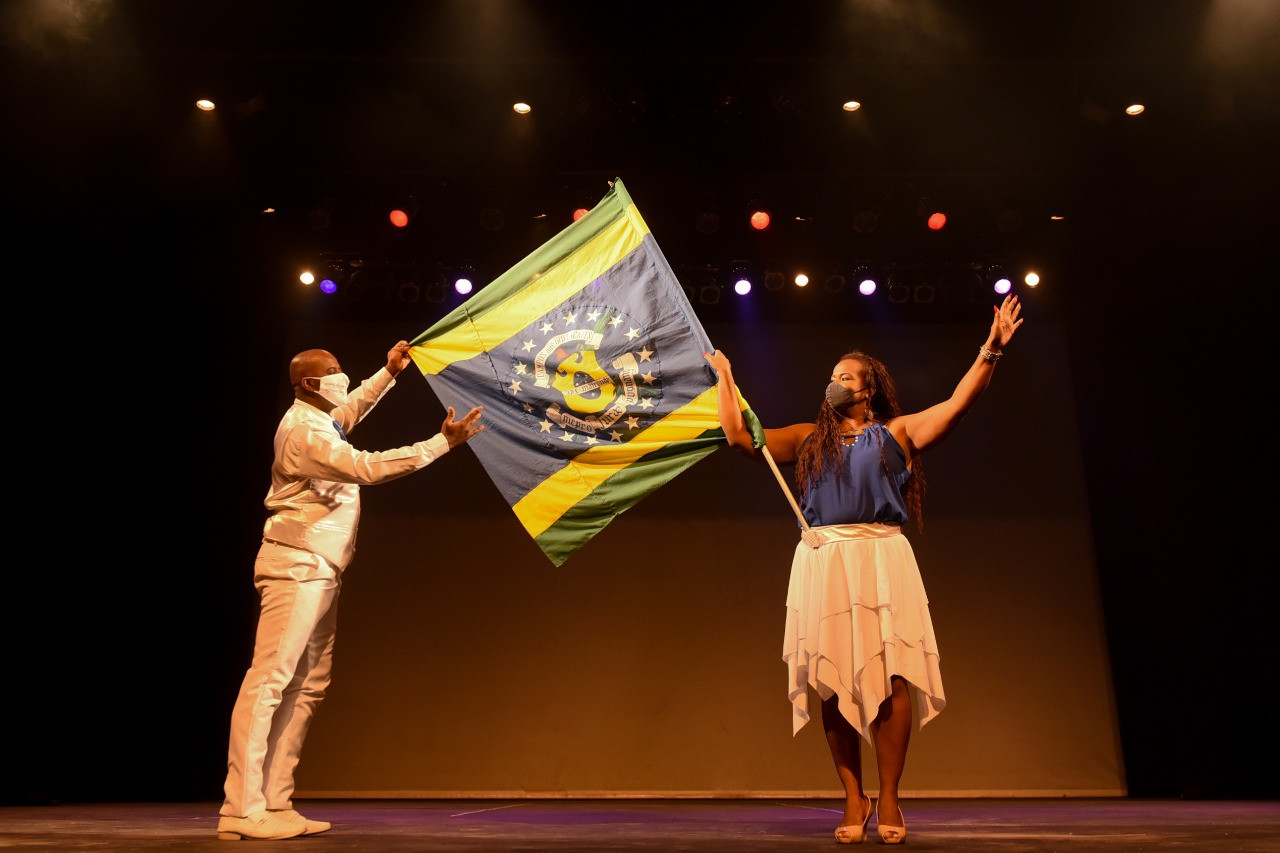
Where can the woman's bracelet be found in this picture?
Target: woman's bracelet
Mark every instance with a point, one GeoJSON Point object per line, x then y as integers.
{"type": "Point", "coordinates": [989, 355]}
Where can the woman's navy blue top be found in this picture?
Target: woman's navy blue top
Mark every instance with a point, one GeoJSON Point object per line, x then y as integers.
{"type": "Point", "coordinates": [860, 492]}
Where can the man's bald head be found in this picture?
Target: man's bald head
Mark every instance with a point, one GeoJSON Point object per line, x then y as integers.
{"type": "Point", "coordinates": [312, 362]}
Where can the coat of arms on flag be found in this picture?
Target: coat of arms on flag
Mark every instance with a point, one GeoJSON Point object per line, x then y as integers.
{"type": "Point", "coordinates": [588, 359]}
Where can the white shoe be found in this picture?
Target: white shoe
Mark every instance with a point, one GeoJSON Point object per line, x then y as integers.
{"type": "Point", "coordinates": [309, 827]}
{"type": "Point", "coordinates": [260, 825]}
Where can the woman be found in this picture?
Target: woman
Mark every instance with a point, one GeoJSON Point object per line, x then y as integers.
{"type": "Point", "coordinates": [858, 627]}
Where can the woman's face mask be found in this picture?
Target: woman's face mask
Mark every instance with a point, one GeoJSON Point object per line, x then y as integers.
{"type": "Point", "coordinates": [840, 397]}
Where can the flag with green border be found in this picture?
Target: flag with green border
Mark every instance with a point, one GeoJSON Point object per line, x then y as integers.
{"type": "Point", "coordinates": [588, 359]}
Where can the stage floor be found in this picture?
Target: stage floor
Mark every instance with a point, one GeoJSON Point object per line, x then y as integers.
{"type": "Point", "coordinates": [569, 826]}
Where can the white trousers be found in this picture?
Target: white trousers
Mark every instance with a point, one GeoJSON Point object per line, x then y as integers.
{"type": "Point", "coordinates": [292, 665]}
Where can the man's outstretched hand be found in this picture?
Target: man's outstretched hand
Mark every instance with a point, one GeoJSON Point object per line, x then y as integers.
{"type": "Point", "coordinates": [456, 432]}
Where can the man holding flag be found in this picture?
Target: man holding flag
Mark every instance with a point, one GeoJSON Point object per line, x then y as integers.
{"type": "Point", "coordinates": [308, 540]}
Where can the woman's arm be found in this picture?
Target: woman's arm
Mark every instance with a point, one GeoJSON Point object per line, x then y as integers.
{"type": "Point", "coordinates": [731, 419]}
{"type": "Point", "coordinates": [782, 443]}
{"type": "Point", "coordinates": [924, 429]}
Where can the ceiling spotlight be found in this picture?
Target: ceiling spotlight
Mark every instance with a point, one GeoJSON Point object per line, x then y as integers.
{"type": "Point", "coordinates": [204, 104]}
{"type": "Point", "coordinates": [802, 280]}
{"type": "Point", "coordinates": [851, 106]}
{"type": "Point", "coordinates": [334, 273]}
{"type": "Point", "coordinates": [774, 280]}
{"type": "Point", "coordinates": [866, 279]}
{"type": "Point", "coordinates": [1134, 110]}
{"type": "Point", "coordinates": [741, 278]}
{"type": "Point", "coordinates": [404, 209]}
{"type": "Point", "coordinates": [758, 214]}
{"type": "Point", "coordinates": [929, 208]}
{"type": "Point", "coordinates": [998, 278]}
{"type": "Point", "coordinates": [521, 107]}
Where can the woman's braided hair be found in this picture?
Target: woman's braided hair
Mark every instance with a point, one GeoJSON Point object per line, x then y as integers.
{"type": "Point", "coordinates": [822, 450]}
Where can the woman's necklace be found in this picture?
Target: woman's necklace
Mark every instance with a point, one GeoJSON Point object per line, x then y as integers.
{"type": "Point", "coordinates": [851, 433]}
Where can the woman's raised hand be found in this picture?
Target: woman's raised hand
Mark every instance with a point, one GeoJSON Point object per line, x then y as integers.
{"type": "Point", "coordinates": [1006, 320]}
{"type": "Point", "coordinates": [718, 361]}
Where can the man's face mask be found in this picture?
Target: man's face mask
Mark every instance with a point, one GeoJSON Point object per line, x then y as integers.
{"type": "Point", "coordinates": [840, 397]}
{"type": "Point", "coordinates": [333, 387]}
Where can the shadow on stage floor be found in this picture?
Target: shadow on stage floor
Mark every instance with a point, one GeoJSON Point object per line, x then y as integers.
{"type": "Point", "coordinates": [567, 826]}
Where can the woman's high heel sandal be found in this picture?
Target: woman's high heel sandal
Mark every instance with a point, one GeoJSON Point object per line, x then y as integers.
{"type": "Point", "coordinates": [891, 834]}
{"type": "Point", "coordinates": [855, 832]}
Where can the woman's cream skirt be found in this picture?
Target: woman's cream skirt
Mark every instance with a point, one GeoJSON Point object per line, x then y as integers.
{"type": "Point", "coordinates": [857, 614]}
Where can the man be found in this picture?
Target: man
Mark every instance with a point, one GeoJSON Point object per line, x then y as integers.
{"type": "Point", "coordinates": [308, 540]}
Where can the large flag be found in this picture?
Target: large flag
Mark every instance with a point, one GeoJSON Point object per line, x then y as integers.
{"type": "Point", "coordinates": [588, 359]}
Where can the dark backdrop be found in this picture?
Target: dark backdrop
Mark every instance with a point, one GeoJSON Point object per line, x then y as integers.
{"type": "Point", "coordinates": [153, 321]}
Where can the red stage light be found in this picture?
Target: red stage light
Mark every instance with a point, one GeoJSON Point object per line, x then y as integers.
{"type": "Point", "coordinates": [579, 213]}
{"type": "Point", "coordinates": [760, 220]}
{"type": "Point", "coordinates": [937, 220]}
{"type": "Point", "coordinates": [399, 218]}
